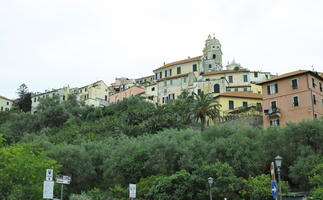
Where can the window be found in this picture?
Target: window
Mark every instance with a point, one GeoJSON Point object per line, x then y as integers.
{"type": "Point", "coordinates": [313, 83]}
{"type": "Point", "coordinates": [274, 122]}
{"type": "Point", "coordinates": [8, 103]}
{"type": "Point", "coordinates": [165, 73]}
{"type": "Point", "coordinates": [245, 78]}
{"type": "Point", "coordinates": [171, 82]}
{"type": "Point", "coordinates": [199, 91]}
{"type": "Point", "coordinates": [236, 89]}
{"type": "Point", "coordinates": [314, 99]}
{"type": "Point", "coordinates": [165, 91]}
{"type": "Point", "coordinates": [216, 88]}
{"type": "Point", "coordinates": [184, 79]}
{"type": "Point", "coordinates": [170, 72]}
{"type": "Point", "coordinates": [35, 99]}
{"type": "Point", "coordinates": [255, 74]}
{"type": "Point", "coordinates": [153, 89]}
{"type": "Point", "coordinates": [245, 104]}
{"type": "Point", "coordinates": [231, 105]}
{"type": "Point", "coordinates": [230, 79]}
{"type": "Point", "coordinates": [315, 115]}
{"type": "Point", "coordinates": [194, 67]}
{"type": "Point", "coordinates": [156, 76]}
{"type": "Point", "coordinates": [160, 74]}
{"type": "Point", "coordinates": [245, 89]}
{"type": "Point", "coordinates": [106, 98]}
{"type": "Point", "coordinates": [213, 56]}
{"type": "Point", "coordinates": [259, 106]}
{"type": "Point", "coordinates": [272, 89]}
{"type": "Point", "coordinates": [63, 97]}
{"type": "Point", "coordinates": [294, 84]}
{"type": "Point", "coordinates": [210, 66]}
{"type": "Point", "coordinates": [1, 108]}
{"type": "Point", "coordinates": [295, 99]}
{"type": "Point", "coordinates": [165, 83]}
{"type": "Point", "coordinates": [321, 88]}
{"type": "Point", "coordinates": [85, 89]}
{"type": "Point", "coordinates": [273, 104]}
{"type": "Point", "coordinates": [179, 70]}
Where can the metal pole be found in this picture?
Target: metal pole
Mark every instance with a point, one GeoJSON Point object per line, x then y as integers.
{"type": "Point", "coordinates": [62, 189]}
{"type": "Point", "coordinates": [210, 193]}
{"type": "Point", "coordinates": [280, 185]}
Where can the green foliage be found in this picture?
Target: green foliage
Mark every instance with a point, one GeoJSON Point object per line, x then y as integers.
{"type": "Point", "coordinates": [316, 181]}
{"type": "Point", "coordinates": [24, 101]}
{"type": "Point", "coordinates": [258, 187]}
{"type": "Point", "coordinates": [22, 171]}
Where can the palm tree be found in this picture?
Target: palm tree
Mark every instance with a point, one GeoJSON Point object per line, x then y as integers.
{"type": "Point", "coordinates": [205, 106]}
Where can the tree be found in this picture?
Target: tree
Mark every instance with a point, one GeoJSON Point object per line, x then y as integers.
{"type": "Point", "coordinates": [22, 171]}
{"type": "Point", "coordinates": [316, 181]}
{"type": "Point", "coordinates": [24, 101]}
{"type": "Point", "coordinates": [205, 106]}
{"type": "Point", "coordinates": [257, 187]}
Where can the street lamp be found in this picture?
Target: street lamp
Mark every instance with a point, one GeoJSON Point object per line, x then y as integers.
{"type": "Point", "coordinates": [278, 162]}
{"type": "Point", "coordinates": [210, 180]}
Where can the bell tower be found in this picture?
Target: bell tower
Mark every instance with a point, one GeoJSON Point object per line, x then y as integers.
{"type": "Point", "coordinates": [212, 54]}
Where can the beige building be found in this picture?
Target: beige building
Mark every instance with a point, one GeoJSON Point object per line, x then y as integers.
{"type": "Point", "coordinates": [151, 93]}
{"type": "Point", "coordinates": [95, 94]}
{"type": "Point", "coordinates": [5, 103]}
{"type": "Point", "coordinates": [292, 97]}
{"type": "Point", "coordinates": [133, 91]}
{"type": "Point", "coordinates": [145, 81]}
{"type": "Point", "coordinates": [62, 93]}
{"type": "Point", "coordinates": [121, 84]}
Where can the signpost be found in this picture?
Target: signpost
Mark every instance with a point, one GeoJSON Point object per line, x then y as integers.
{"type": "Point", "coordinates": [132, 191]}
{"type": "Point", "coordinates": [61, 179]}
{"type": "Point", "coordinates": [48, 190]}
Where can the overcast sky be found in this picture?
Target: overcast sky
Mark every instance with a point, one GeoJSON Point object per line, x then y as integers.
{"type": "Point", "coordinates": [52, 43]}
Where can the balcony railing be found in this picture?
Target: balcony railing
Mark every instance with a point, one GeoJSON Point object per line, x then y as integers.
{"type": "Point", "coordinates": [272, 112]}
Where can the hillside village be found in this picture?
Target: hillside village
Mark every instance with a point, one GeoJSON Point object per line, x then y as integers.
{"type": "Point", "coordinates": [289, 97]}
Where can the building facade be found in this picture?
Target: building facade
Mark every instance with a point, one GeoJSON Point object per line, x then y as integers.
{"type": "Point", "coordinates": [292, 97]}
{"type": "Point", "coordinates": [133, 91]}
{"type": "Point", "coordinates": [5, 103]}
{"type": "Point", "coordinates": [95, 94]}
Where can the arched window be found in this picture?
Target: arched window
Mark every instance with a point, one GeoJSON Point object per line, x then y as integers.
{"type": "Point", "coordinates": [216, 88]}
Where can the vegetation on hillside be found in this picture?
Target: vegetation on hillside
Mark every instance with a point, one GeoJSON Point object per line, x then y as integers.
{"type": "Point", "coordinates": [158, 147]}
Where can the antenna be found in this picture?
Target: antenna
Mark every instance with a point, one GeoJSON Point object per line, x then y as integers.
{"type": "Point", "coordinates": [313, 68]}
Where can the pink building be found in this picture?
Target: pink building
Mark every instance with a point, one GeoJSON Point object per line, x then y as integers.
{"type": "Point", "coordinates": [292, 97]}
{"type": "Point", "coordinates": [133, 91]}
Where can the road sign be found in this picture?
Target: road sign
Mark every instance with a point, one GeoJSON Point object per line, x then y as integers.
{"type": "Point", "coordinates": [274, 189]}
{"type": "Point", "coordinates": [63, 179]}
{"type": "Point", "coordinates": [132, 190]}
{"type": "Point", "coordinates": [48, 190]}
{"type": "Point", "coordinates": [49, 175]}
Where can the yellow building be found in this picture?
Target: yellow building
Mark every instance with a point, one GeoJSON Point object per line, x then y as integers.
{"type": "Point", "coordinates": [94, 94]}
{"type": "Point", "coordinates": [5, 103]}
{"type": "Point", "coordinates": [238, 102]}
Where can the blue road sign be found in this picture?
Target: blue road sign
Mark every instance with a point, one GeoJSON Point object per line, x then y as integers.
{"type": "Point", "coordinates": [274, 189]}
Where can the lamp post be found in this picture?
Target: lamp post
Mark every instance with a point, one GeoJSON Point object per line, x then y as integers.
{"type": "Point", "coordinates": [278, 162]}
{"type": "Point", "coordinates": [210, 180]}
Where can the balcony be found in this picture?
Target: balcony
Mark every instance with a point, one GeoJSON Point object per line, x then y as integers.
{"type": "Point", "coordinates": [272, 112]}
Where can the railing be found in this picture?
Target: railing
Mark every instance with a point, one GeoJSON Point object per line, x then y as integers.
{"type": "Point", "coordinates": [272, 112]}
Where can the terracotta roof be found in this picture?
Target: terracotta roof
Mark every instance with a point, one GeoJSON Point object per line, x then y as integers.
{"type": "Point", "coordinates": [290, 74]}
{"type": "Point", "coordinates": [144, 77]}
{"type": "Point", "coordinates": [172, 77]}
{"type": "Point", "coordinates": [2, 97]}
{"type": "Point", "coordinates": [249, 95]}
{"type": "Point", "coordinates": [224, 72]}
{"type": "Point", "coordinates": [180, 62]}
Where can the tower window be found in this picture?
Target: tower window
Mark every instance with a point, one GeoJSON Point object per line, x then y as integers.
{"type": "Point", "coordinates": [230, 79]}
{"type": "Point", "coordinates": [245, 78]}
{"type": "Point", "coordinates": [213, 56]}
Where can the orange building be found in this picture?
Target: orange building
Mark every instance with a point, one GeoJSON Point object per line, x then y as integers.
{"type": "Point", "coordinates": [292, 97]}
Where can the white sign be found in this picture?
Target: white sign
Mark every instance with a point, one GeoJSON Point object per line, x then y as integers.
{"type": "Point", "coordinates": [49, 175]}
{"type": "Point", "coordinates": [63, 179]}
{"type": "Point", "coordinates": [132, 190]}
{"type": "Point", "coordinates": [48, 190]}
